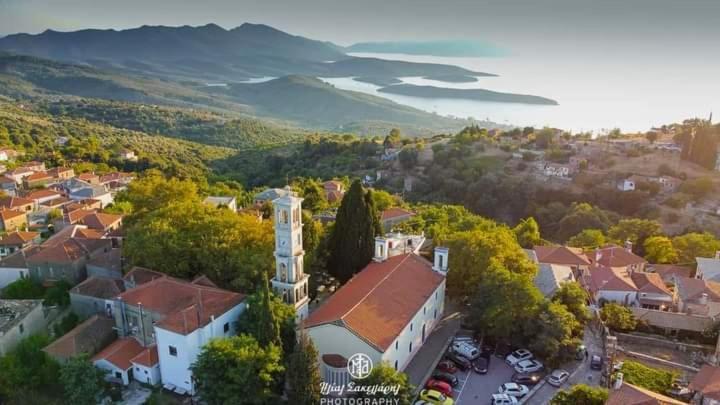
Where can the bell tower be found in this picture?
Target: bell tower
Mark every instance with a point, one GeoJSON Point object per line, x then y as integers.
{"type": "Point", "coordinates": [290, 281]}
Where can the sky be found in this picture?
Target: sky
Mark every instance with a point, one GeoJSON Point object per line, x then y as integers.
{"type": "Point", "coordinates": [647, 26]}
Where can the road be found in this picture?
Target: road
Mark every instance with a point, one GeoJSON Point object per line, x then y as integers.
{"type": "Point", "coordinates": [580, 372]}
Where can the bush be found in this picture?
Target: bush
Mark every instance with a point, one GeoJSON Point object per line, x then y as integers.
{"type": "Point", "coordinates": [618, 317]}
{"type": "Point", "coordinates": [58, 294]}
{"type": "Point", "coordinates": [23, 289]}
{"type": "Point", "coordinates": [66, 324]}
{"type": "Point", "coordinates": [654, 379]}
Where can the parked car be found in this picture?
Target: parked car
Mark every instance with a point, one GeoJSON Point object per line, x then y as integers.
{"type": "Point", "coordinates": [596, 362]}
{"type": "Point", "coordinates": [558, 378]}
{"type": "Point", "coordinates": [527, 378]}
{"type": "Point", "coordinates": [517, 356]}
{"type": "Point", "coordinates": [446, 377]}
{"type": "Point", "coordinates": [514, 389]}
{"type": "Point", "coordinates": [528, 366]}
{"type": "Point", "coordinates": [447, 366]}
{"type": "Point", "coordinates": [440, 386]}
{"type": "Point", "coordinates": [481, 365]}
{"type": "Point", "coordinates": [466, 350]}
{"type": "Point", "coordinates": [435, 397]}
{"type": "Point", "coordinates": [503, 399]}
{"type": "Point", "coordinates": [460, 361]}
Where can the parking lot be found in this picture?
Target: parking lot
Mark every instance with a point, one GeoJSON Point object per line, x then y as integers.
{"type": "Point", "coordinates": [474, 388]}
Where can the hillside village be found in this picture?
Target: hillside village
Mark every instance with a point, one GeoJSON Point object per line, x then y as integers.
{"type": "Point", "coordinates": [104, 270]}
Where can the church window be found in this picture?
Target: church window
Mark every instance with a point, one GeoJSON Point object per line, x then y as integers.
{"type": "Point", "coordinates": [284, 216]}
{"type": "Point", "coordinates": [283, 272]}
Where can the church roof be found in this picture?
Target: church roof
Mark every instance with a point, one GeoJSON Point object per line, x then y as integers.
{"type": "Point", "coordinates": [380, 301]}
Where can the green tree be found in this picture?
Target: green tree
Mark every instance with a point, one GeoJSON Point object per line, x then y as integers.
{"type": "Point", "coordinates": [385, 374]}
{"type": "Point", "coordinates": [588, 239]}
{"type": "Point", "coordinates": [550, 333]}
{"type": "Point", "coordinates": [654, 379]}
{"type": "Point", "coordinates": [303, 374]}
{"type": "Point", "coordinates": [580, 394]}
{"type": "Point", "coordinates": [408, 158]}
{"type": "Point", "coordinates": [353, 236]}
{"type": "Point", "coordinates": [636, 231]}
{"type": "Point", "coordinates": [384, 200]}
{"type": "Point", "coordinates": [582, 216]}
{"type": "Point", "coordinates": [153, 191]}
{"type": "Point", "coordinates": [268, 319]}
{"type": "Point", "coordinates": [27, 369]}
{"type": "Point", "coordinates": [618, 317]}
{"type": "Point", "coordinates": [692, 245]}
{"type": "Point", "coordinates": [544, 138]}
{"type": "Point", "coordinates": [474, 252]}
{"type": "Point", "coordinates": [83, 383]}
{"type": "Point", "coordinates": [528, 233]}
{"type": "Point", "coordinates": [698, 188]}
{"type": "Point", "coordinates": [187, 238]}
{"type": "Point", "coordinates": [313, 194]}
{"type": "Point", "coordinates": [23, 289]}
{"type": "Point", "coordinates": [238, 370]}
{"type": "Point", "coordinates": [504, 301]}
{"type": "Point", "coordinates": [574, 298]}
{"type": "Point", "coordinates": [58, 294]}
{"type": "Point", "coordinates": [660, 249]}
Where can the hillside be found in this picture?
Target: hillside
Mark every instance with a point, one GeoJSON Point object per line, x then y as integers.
{"type": "Point", "coordinates": [468, 94]}
{"type": "Point", "coordinates": [307, 99]}
{"type": "Point", "coordinates": [209, 53]}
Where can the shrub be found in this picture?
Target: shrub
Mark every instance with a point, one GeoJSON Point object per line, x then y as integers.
{"type": "Point", "coordinates": [654, 379]}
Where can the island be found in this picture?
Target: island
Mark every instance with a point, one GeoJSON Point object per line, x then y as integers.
{"type": "Point", "coordinates": [466, 94]}
{"type": "Point", "coordinates": [378, 81]}
{"type": "Point", "coordinates": [453, 78]}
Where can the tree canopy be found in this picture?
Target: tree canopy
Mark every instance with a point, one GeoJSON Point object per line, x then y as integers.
{"type": "Point", "coordinates": [618, 317]}
{"type": "Point", "coordinates": [385, 374]}
{"type": "Point", "coordinates": [580, 394]}
{"type": "Point", "coordinates": [303, 374]}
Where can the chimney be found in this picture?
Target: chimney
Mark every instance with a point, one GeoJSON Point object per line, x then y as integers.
{"type": "Point", "coordinates": [703, 299]}
{"type": "Point", "coordinates": [628, 245]}
{"type": "Point", "coordinates": [381, 249]}
{"type": "Point", "coordinates": [440, 262]}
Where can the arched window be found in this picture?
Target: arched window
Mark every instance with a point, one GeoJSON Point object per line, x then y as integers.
{"type": "Point", "coordinates": [283, 272]}
{"type": "Point", "coordinates": [284, 216]}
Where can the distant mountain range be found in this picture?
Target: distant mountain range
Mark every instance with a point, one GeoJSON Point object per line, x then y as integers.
{"type": "Point", "coordinates": [212, 53]}
{"type": "Point", "coordinates": [445, 48]}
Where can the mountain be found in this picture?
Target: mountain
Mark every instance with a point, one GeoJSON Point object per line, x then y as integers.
{"type": "Point", "coordinates": [444, 48]}
{"type": "Point", "coordinates": [307, 99]}
{"type": "Point", "coordinates": [210, 53]}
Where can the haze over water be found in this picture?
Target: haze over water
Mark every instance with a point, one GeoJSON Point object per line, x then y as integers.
{"type": "Point", "coordinates": [595, 94]}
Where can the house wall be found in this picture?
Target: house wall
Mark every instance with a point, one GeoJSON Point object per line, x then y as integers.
{"type": "Point", "coordinates": [399, 354]}
{"type": "Point", "coordinates": [113, 371]}
{"type": "Point", "coordinates": [34, 322]}
{"type": "Point", "coordinates": [102, 272]}
{"type": "Point", "coordinates": [13, 224]}
{"type": "Point", "coordinates": [131, 321]}
{"type": "Point", "coordinates": [175, 369]}
{"type": "Point", "coordinates": [85, 306]}
{"type": "Point", "coordinates": [73, 273]}
{"type": "Point", "coordinates": [620, 297]}
{"type": "Point", "coordinates": [333, 339]}
{"type": "Point", "coordinates": [11, 274]}
{"type": "Point", "coordinates": [147, 375]}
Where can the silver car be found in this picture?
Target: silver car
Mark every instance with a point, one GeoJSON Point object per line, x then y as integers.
{"type": "Point", "coordinates": [558, 378]}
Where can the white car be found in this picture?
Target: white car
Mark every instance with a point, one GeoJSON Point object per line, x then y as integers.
{"type": "Point", "coordinates": [528, 366]}
{"type": "Point", "coordinates": [517, 356]}
{"type": "Point", "coordinates": [514, 390]}
{"type": "Point", "coordinates": [503, 399]}
{"type": "Point", "coordinates": [558, 378]}
{"type": "Point", "coordinates": [466, 350]}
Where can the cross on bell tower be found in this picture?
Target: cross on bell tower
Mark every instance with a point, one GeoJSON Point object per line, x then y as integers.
{"type": "Point", "coordinates": [290, 281]}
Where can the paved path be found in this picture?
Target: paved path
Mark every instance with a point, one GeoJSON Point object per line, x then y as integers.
{"type": "Point", "coordinates": [434, 347]}
{"type": "Point", "coordinates": [580, 371]}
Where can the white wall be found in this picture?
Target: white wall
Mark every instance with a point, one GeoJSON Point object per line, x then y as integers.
{"type": "Point", "coordinates": [10, 274]}
{"type": "Point", "coordinates": [112, 369]}
{"type": "Point", "coordinates": [617, 297]}
{"type": "Point", "coordinates": [147, 375]}
{"type": "Point", "coordinates": [176, 369]}
{"type": "Point", "coordinates": [334, 339]}
{"type": "Point", "coordinates": [34, 322]}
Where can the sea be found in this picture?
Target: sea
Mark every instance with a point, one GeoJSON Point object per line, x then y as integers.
{"type": "Point", "coordinates": [594, 94]}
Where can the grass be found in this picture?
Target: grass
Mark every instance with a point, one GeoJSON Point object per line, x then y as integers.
{"type": "Point", "coordinates": [654, 379]}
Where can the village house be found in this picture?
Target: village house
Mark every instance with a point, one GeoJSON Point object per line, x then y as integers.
{"type": "Point", "coordinates": [37, 179]}
{"type": "Point", "coordinates": [668, 272]}
{"type": "Point", "coordinates": [108, 265]}
{"type": "Point", "coordinates": [8, 185]}
{"type": "Point", "coordinates": [706, 386]}
{"type": "Point", "coordinates": [626, 185]}
{"type": "Point", "coordinates": [334, 191]}
{"type": "Point", "coordinates": [219, 201]}
{"type": "Point", "coordinates": [394, 216]}
{"type": "Point", "coordinates": [628, 394]}
{"type": "Point", "coordinates": [17, 203]}
{"type": "Point", "coordinates": [95, 295]}
{"type": "Point", "coordinates": [561, 255]}
{"type": "Point", "coordinates": [42, 196]}
{"type": "Point", "coordinates": [12, 220]}
{"type": "Point", "coordinates": [550, 277]}
{"type": "Point", "coordinates": [386, 311]}
{"type": "Point", "coordinates": [89, 337]}
{"type": "Point", "coordinates": [14, 241]}
{"type": "Point", "coordinates": [13, 268]}
{"type": "Point", "coordinates": [94, 192]}
{"type": "Point", "coordinates": [101, 221]}
{"type": "Point", "coordinates": [270, 194]}
{"type": "Point", "coordinates": [626, 287]}
{"type": "Point", "coordinates": [18, 174]}
{"type": "Point", "coordinates": [116, 180]}
{"type": "Point", "coordinates": [90, 178]}
{"type": "Point", "coordinates": [618, 257]}
{"type": "Point", "coordinates": [61, 173]}
{"type": "Point", "coordinates": [708, 268]}
{"type": "Point", "coordinates": [18, 320]}
{"type": "Point", "coordinates": [697, 297]}
{"type": "Point", "coordinates": [127, 154]}
{"type": "Point", "coordinates": [35, 166]}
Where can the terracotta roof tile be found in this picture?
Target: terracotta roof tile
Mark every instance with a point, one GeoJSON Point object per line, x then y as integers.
{"type": "Point", "coordinates": [141, 275]}
{"type": "Point", "coordinates": [668, 271]}
{"type": "Point", "coordinates": [649, 283]}
{"type": "Point", "coordinates": [707, 381]}
{"type": "Point", "coordinates": [610, 279]}
{"type": "Point", "coordinates": [120, 352]}
{"type": "Point", "coordinates": [13, 202]}
{"type": "Point", "coordinates": [378, 302]}
{"type": "Point", "coordinates": [6, 214]}
{"type": "Point", "coordinates": [100, 220]}
{"type": "Point", "coordinates": [38, 176]}
{"type": "Point", "coordinates": [44, 193]}
{"type": "Point", "coordinates": [629, 394]}
{"type": "Point", "coordinates": [147, 358]}
{"type": "Point", "coordinates": [561, 255]}
{"type": "Point", "coordinates": [99, 287]}
{"type": "Point", "coordinates": [18, 238]}
{"type": "Point", "coordinates": [88, 337]}
{"type": "Point", "coordinates": [615, 256]}
{"type": "Point", "coordinates": [395, 212]}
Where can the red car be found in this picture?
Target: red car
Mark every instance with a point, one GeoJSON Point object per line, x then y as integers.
{"type": "Point", "coordinates": [447, 366]}
{"type": "Point", "coordinates": [440, 386]}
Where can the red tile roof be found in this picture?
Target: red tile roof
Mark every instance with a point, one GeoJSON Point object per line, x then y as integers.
{"type": "Point", "coordinates": [44, 193]}
{"type": "Point", "coordinates": [147, 358]}
{"type": "Point", "coordinates": [691, 289]}
{"type": "Point", "coordinates": [379, 302]}
{"type": "Point", "coordinates": [141, 275]}
{"type": "Point", "coordinates": [38, 176]}
{"type": "Point", "coordinates": [18, 238]}
{"type": "Point", "coordinates": [186, 306]}
{"type": "Point", "coordinates": [629, 394]}
{"type": "Point", "coordinates": [100, 220]}
{"type": "Point", "coordinates": [334, 196]}
{"type": "Point", "coordinates": [88, 337]}
{"type": "Point", "coordinates": [707, 381]}
{"type": "Point", "coordinates": [561, 255]}
{"type": "Point", "coordinates": [99, 287]}
{"type": "Point", "coordinates": [610, 279]}
{"type": "Point", "coordinates": [650, 283]}
{"type": "Point", "coordinates": [395, 212]}
{"type": "Point", "coordinates": [12, 202]}
{"type": "Point", "coordinates": [333, 185]}
{"type": "Point", "coordinates": [120, 353]}
{"type": "Point", "coordinates": [668, 271]}
{"type": "Point", "coordinates": [6, 214]}
{"type": "Point", "coordinates": [615, 256]}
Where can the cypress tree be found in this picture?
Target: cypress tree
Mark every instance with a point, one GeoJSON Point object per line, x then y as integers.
{"type": "Point", "coordinates": [304, 374]}
{"type": "Point", "coordinates": [352, 239]}
{"type": "Point", "coordinates": [268, 329]}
